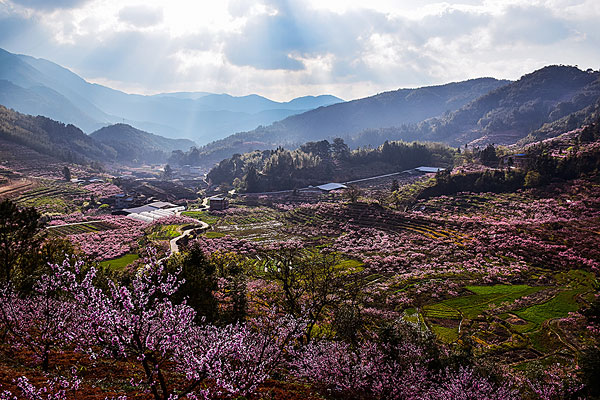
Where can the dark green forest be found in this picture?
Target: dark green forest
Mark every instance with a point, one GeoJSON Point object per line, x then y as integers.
{"type": "Point", "coordinates": [541, 170]}
{"type": "Point", "coordinates": [315, 163]}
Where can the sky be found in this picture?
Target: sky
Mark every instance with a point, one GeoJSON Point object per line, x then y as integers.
{"type": "Point", "coordinates": [283, 49]}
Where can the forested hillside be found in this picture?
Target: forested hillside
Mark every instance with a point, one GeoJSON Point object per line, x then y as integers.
{"type": "Point", "coordinates": [47, 136]}
{"type": "Point", "coordinates": [510, 113]}
{"type": "Point", "coordinates": [134, 145]}
{"type": "Point", "coordinates": [116, 143]}
{"type": "Point", "coordinates": [315, 163]}
{"type": "Point", "coordinates": [503, 114]}
{"type": "Point", "coordinates": [559, 95]}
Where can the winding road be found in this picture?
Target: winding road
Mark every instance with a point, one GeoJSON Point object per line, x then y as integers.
{"type": "Point", "coordinates": [173, 242]}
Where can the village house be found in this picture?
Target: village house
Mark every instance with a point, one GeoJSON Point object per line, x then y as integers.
{"type": "Point", "coordinates": [515, 160]}
{"type": "Point", "coordinates": [218, 203]}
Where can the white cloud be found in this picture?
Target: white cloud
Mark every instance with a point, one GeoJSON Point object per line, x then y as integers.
{"type": "Point", "coordinates": [286, 48]}
{"type": "Point", "coordinates": [141, 16]}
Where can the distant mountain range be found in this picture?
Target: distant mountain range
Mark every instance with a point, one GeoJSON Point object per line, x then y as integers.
{"type": "Point", "coordinates": [539, 105]}
{"type": "Point", "coordinates": [346, 120]}
{"type": "Point", "coordinates": [510, 113]}
{"type": "Point", "coordinates": [40, 87]}
{"type": "Point", "coordinates": [476, 112]}
{"type": "Point", "coordinates": [133, 145]}
{"type": "Point", "coordinates": [116, 143]}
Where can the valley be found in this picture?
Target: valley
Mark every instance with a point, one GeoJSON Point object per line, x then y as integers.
{"type": "Point", "coordinates": [434, 243]}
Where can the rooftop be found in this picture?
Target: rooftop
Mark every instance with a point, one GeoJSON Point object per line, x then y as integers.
{"type": "Point", "coordinates": [429, 169]}
{"type": "Point", "coordinates": [332, 186]}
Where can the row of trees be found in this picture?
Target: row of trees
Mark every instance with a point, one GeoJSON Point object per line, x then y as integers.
{"type": "Point", "coordinates": [319, 162]}
{"type": "Point", "coordinates": [542, 168]}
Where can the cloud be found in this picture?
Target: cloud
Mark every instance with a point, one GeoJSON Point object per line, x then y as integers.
{"type": "Point", "coordinates": [141, 16]}
{"type": "Point", "coordinates": [279, 40]}
{"type": "Point", "coordinates": [533, 25]}
{"type": "Point", "coordinates": [50, 5]}
{"type": "Point", "coordinates": [285, 48]}
{"type": "Point", "coordinates": [21, 34]}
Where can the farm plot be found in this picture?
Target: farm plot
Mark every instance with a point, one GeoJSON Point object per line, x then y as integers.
{"type": "Point", "coordinates": [246, 215]}
{"type": "Point", "coordinates": [79, 228]}
{"type": "Point", "coordinates": [522, 320]}
{"type": "Point", "coordinates": [483, 297]}
{"type": "Point", "coordinates": [14, 188]}
{"type": "Point", "coordinates": [257, 224]}
{"type": "Point", "coordinates": [364, 215]}
{"type": "Point", "coordinates": [202, 216]}
{"type": "Point", "coordinates": [53, 198]}
{"type": "Point", "coordinates": [164, 232]}
{"type": "Point", "coordinates": [265, 231]}
{"type": "Point", "coordinates": [118, 264]}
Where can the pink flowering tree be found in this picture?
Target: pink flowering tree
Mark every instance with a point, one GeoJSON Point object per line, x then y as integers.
{"type": "Point", "coordinates": [137, 322]}
{"type": "Point", "coordinates": [385, 371]}
{"type": "Point", "coordinates": [239, 357]}
{"type": "Point", "coordinates": [140, 322]}
{"type": "Point", "coordinates": [55, 389]}
{"type": "Point", "coordinates": [41, 322]}
{"type": "Point", "coordinates": [466, 384]}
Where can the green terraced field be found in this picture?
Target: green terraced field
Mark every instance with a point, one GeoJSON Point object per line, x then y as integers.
{"type": "Point", "coordinates": [202, 216]}
{"type": "Point", "coordinates": [558, 307]}
{"type": "Point", "coordinates": [75, 229]}
{"type": "Point", "coordinates": [164, 232]}
{"type": "Point", "coordinates": [447, 335]}
{"type": "Point", "coordinates": [120, 263]}
{"type": "Point", "coordinates": [213, 235]}
{"type": "Point", "coordinates": [473, 305]}
{"type": "Point", "coordinates": [441, 310]}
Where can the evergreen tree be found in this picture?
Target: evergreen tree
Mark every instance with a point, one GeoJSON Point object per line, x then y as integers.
{"type": "Point", "coordinates": [488, 156]}
{"type": "Point", "coordinates": [200, 283]}
{"type": "Point", "coordinates": [19, 238]}
{"type": "Point", "coordinates": [66, 173]}
{"type": "Point", "coordinates": [251, 180]}
{"type": "Point", "coordinates": [167, 172]}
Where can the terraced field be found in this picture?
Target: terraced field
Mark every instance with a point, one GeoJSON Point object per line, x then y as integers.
{"type": "Point", "coordinates": [53, 197]}
{"type": "Point", "coordinates": [257, 224]}
{"type": "Point", "coordinates": [366, 216]}
{"type": "Point", "coordinates": [77, 228]}
{"type": "Point", "coordinates": [12, 188]}
{"type": "Point", "coordinates": [521, 319]}
{"type": "Point", "coordinates": [483, 299]}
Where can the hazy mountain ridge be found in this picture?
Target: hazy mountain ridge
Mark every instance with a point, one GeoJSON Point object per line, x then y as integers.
{"type": "Point", "coordinates": [134, 144]}
{"type": "Point", "coordinates": [41, 100]}
{"type": "Point", "coordinates": [183, 114]}
{"type": "Point", "coordinates": [508, 114]}
{"type": "Point", "coordinates": [503, 115]}
{"type": "Point", "coordinates": [388, 109]}
{"type": "Point", "coordinates": [120, 142]}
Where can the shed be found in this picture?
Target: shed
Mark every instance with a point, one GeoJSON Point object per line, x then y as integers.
{"type": "Point", "coordinates": [429, 170]}
{"type": "Point", "coordinates": [328, 187]}
{"type": "Point", "coordinates": [218, 203]}
{"type": "Point", "coordinates": [516, 160]}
